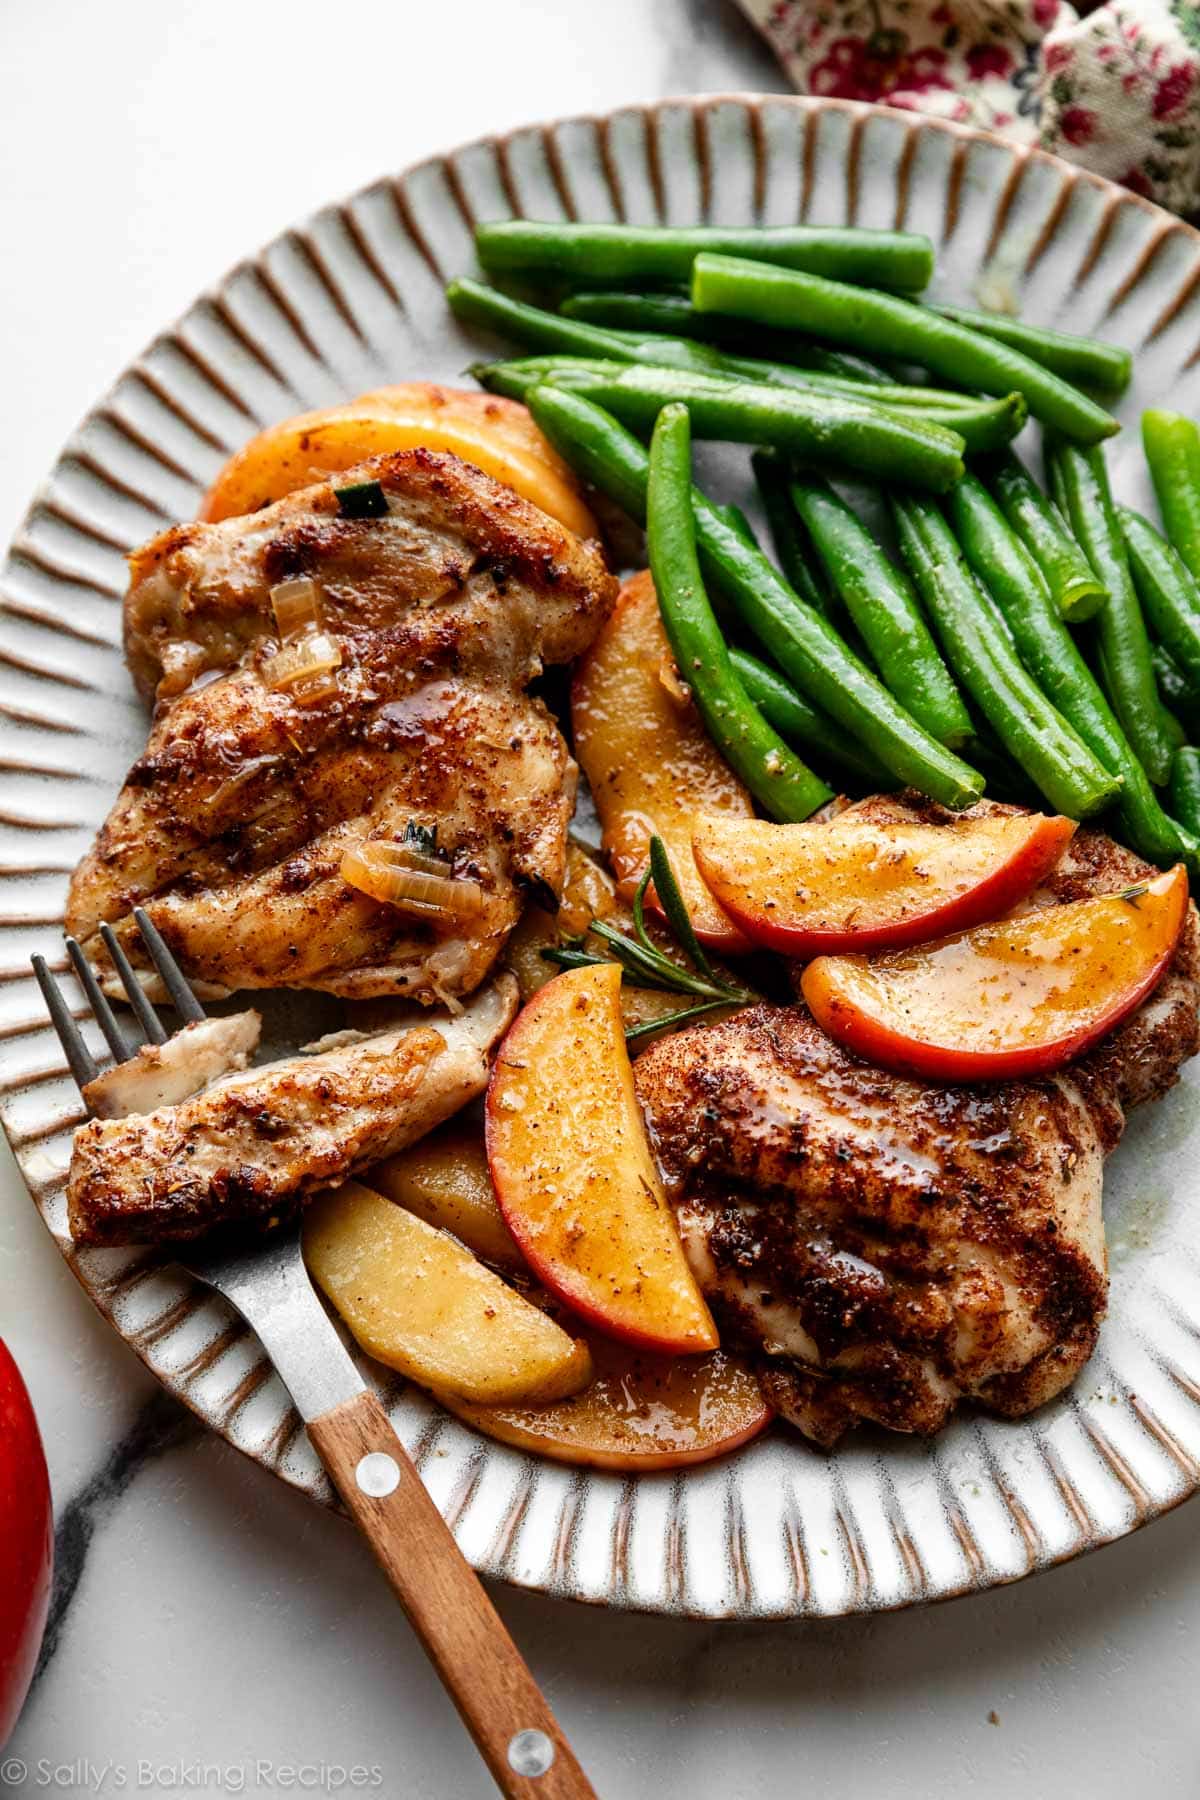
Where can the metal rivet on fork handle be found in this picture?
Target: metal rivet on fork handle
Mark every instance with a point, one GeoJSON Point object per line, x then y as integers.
{"type": "Point", "coordinates": [378, 1474]}
{"type": "Point", "coordinates": [530, 1753]}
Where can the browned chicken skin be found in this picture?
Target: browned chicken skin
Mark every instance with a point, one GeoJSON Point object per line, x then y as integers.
{"type": "Point", "coordinates": [894, 1246]}
{"type": "Point", "coordinates": [231, 828]}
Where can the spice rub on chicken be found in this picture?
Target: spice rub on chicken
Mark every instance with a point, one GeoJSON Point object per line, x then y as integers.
{"type": "Point", "coordinates": [442, 599]}
{"type": "Point", "coordinates": [890, 1246]}
{"type": "Point", "coordinates": [251, 1147]}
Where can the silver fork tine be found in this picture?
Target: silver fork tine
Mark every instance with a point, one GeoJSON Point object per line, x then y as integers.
{"type": "Point", "coordinates": [182, 997]}
{"type": "Point", "coordinates": [79, 1057]}
{"type": "Point", "coordinates": [105, 1017]}
{"type": "Point", "coordinates": [147, 1017]}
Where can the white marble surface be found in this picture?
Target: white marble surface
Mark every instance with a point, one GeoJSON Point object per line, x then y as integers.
{"type": "Point", "coordinates": [212, 1628]}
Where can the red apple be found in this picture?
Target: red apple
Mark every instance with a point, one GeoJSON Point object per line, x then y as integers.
{"type": "Point", "coordinates": [573, 1171]}
{"type": "Point", "coordinates": [1017, 998]}
{"type": "Point", "coordinates": [853, 884]}
{"type": "Point", "coordinates": [26, 1543]}
{"type": "Point", "coordinates": [639, 1412]}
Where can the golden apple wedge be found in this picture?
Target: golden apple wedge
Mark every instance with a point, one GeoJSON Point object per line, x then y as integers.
{"type": "Point", "coordinates": [495, 434]}
{"type": "Point", "coordinates": [648, 759]}
{"type": "Point", "coordinates": [444, 1178]}
{"type": "Point", "coordinates": [417, 1300]}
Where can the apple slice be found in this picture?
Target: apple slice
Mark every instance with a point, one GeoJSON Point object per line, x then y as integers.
{"type": "Point", "coordinates": [496, 435]}
{"type": "Point", "coordinates": [1016, 998]}
{"type": "Point", "coordinates": [855, 884]}
{"type": "Point", "coordinates": [445, 1180]}
{"type": "Point", "coordinates": [649, 761]}
{"type": "Point", "coordinates": [640, 1412]}
{"type": "Point", "coordinates": [574, 1176]}
{"type": "Point", "coordinates": [418, 1301]}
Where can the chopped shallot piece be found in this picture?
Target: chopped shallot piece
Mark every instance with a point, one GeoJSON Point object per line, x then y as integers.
{"type": "Point", "coordinates": [398, 875]}
{"type": "Point", "coordinates": [300, 663]}
{"type": "Point", "coordinates": [297, 607]}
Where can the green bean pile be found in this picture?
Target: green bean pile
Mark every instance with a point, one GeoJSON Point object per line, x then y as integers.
{"type": "Point", "coordinates": [1044, 641]}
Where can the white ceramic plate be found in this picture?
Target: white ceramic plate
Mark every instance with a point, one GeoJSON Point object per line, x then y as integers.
{"type": "Point", "coordinates": [349, 299]}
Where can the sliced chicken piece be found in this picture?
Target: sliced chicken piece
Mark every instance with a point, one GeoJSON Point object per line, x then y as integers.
{"type": "Point", "coordinates": [231, 828]}
{"type": "Point", "coordinates": [892, 1247]}
{"type": "Point", "coordinates": [164, 1074]}
{"type": "Point", "coordinates": [249, 1149]}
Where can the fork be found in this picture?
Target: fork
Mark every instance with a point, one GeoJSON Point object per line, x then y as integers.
{"type": "Point", "coordinates": [462, 1634]}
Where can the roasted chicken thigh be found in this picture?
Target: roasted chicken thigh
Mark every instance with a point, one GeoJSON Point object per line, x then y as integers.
{"type": "Point", "coordinates": [890, 1246]}
{"type": "Point", "coordinates": [232, 826]}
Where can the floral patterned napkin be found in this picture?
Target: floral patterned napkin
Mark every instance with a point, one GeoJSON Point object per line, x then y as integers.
{"type": "Point", "coordinates": [1117, 91]}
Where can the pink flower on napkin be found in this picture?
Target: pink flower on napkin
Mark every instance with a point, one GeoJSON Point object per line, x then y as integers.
{"type": "Point", "coordinates": [1174, 90]}
{"type": "Point", "coordinates": [1118, 91]}
{"type": "Point", "coordinates": [1077, 124]}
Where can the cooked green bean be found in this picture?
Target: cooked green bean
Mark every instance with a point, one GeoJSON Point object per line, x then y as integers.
{"type": "Point", "coordinates": [804, 645]}
{"type": "Point", "coordinates": [517, 379]}
{"type": "Point", "coordinates": [560, 334]}
{"type": "Point", "coordinates": [610, 254]}
{"type": "Point", "coordinates": [1090, 361]}
{"type": "Point", "coordinates": [675, 316]}
{"type": "Point", "coordinates": [1011, 574]}
{"type": "Point", "coordinates": [773, 773]}
{"type": "Point", "coordinates": [1185, 787]}
{"type": "Point", "coordinates": [476, 304]}
{"type": "Point", "coordinates": [733, 515]}
{"type": "Point", "coordinates": [879, 598]}
{"type": "Point", "coordinates": [845, 432]}
{"type": "Point", "coordinates": [1079, 480]}
{"type": "Point", "coordinates": [980, 652]}
{"type": "Point", "coordinates": [772, 475]}
{"type": "Point", "coordinates": [563, 336]}
{"type": "Point", "coordinates": [800, 722]}
{"type": "Point", "coordinates": [1172, 445]}
{"type": "Point", "coordinates": [1077, 592]}
{"type": "Point", "coordinates": [1175, 690]}
{"type": "Point", "coordinates": [1176, 735]}
{"type": "Point", "coordinates": [982, 424]}
{"type": "Point", "coordinates": [1168, 591]}
{"type": "Point", "coordinates": [885, 324]}
{"type": "Point", "coordinates": [757, 356]}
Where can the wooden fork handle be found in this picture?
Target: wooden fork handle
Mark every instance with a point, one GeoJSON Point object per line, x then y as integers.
{"type": "Point", "coordinates": [481, 1668]}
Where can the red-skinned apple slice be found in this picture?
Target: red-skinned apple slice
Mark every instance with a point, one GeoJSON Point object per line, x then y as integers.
{"type": "Point", "coordinates": [853, 884]}
{"type": "Point", "coordinates": [640, 1412]}
{"type": "Point", "coordinates": [573, 1171]}
{"type": "Point", "coordinates": [1017, 998]}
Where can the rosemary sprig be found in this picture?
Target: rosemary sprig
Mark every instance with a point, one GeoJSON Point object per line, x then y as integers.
{"type": "Point", "coordinates": [671, 901]}
{"type": "Point", "coordinates": [651, 1027]}
{"type": "Point", "coordinates": [648, 966]}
